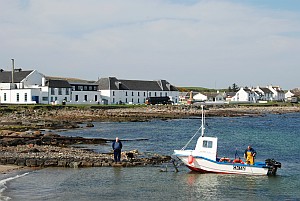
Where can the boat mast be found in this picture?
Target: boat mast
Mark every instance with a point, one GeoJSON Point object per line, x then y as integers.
{"type": "Point", "coordinates": [202, 122]}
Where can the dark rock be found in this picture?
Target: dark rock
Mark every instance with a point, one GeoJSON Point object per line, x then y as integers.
{"type": "Point", "coordinates": [31, 163]}
{"type": "Point", "coordinates": [20, 162]}
{"type": "Point", "coordinates": [62, 163]}
{"type": "Point", "coordinates": [11, 161]}
{"type": "Point", "coordinates": [89, 125]}
{"type": "Point", "coordinates": [34, 150]}
{"type": "Point", "coordinates": [40, 162]}
{"type": "Point", "coordinates": [3, 161]}
{"type": "Point", "coordinates": [50, 163]}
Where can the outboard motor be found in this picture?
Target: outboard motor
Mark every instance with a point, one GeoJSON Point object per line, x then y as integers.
{"type": "Point", "coordinates": [272, 165]}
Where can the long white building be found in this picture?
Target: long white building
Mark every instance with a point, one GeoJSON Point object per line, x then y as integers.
{"type": "Point", "coordinates": [116, 91]}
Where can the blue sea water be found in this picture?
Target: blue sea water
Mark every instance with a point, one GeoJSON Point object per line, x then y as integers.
{"type": "Point", "coordinates": [273, 136]}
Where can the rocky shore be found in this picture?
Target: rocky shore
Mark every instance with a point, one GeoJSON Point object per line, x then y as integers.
{"type": "Point", "coordinates": [53, 156]}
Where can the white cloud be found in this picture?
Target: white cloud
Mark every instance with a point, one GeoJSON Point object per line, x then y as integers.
{"type": "Point", "coordinates": [199, 43]}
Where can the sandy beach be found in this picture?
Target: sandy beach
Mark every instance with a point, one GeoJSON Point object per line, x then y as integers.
{"type": "Point", "coordinates": [8, 168]}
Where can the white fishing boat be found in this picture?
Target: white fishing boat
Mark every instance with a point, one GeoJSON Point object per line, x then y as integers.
{"type": "Point", "coordinates": [204, 158]}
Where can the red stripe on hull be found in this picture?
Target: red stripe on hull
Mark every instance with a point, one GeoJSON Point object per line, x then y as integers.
{"type": "Point", "coordinates": [205, 171]}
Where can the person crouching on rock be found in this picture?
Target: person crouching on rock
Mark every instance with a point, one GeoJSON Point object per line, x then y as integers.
{"type": "Point", "coordinates": [117, 147]}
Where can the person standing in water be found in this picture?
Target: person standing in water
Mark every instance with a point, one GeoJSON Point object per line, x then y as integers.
{"type": "Point", "coordinates": [117, 147]}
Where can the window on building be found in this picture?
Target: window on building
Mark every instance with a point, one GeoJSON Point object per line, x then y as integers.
{"type": "Point", "coordinates": [138, 93]}
{"type": "Point", "coordinates": [55, 98]}
{"type": "Point", "coordinates": [45, 98]}
{"type": "Point", "coordinates": [132, 100]}
{"type": "Point", "coordinates": [76, 98]}
{"type": "Point", "coordinates": [73, 88]}
{"type": "Point", "coordinates": [96, 98]}
{"type": "Point", "coordinates": [18, 97]}
{"type": "Point", "coordinates": [90, 88]}
{"type": "Point", "coordinates": [51, 98]}
{"type": "Point", "coordinates": [160, 94]}
{"type": "Point", "coordinates": [59, 91]}
{"type": "Point", "coordinates": [67, 91]}
{"type": "Point", "coordinates": [80, 88]}
{"type": "Point", "coordinates": [113, 100]}
{"type": "Point", "coordinates": [149, 94]}
{"type": "Point", "coordinates": [166, 94]}
{"type": "Point", "coordinates": [95, 88]}
{"type": "Point", "coordinates": [85, 88]}
{"type": "Point", "coordinates": [144, 93]}
{"type": "Point", "coordinates": [126, 94]}
{"type": "Point", "coordinates": [155, 94]}
{"type": "Point", "coordinates": [25, 97]}
{"type": "Point", "coordinates": [138, 100]}
{"type": "Point", "coordinates": [52, 91]}
{"type": "Point", "coordinates": [131, 93]}
{"type": "Point", "coordinates": [85, 97]}
{"type": "Point", "coordinates": [113, 93]}
{"type": "Point", "coordinates": [126, 100]}
{"type": "Point", "coordinates": [66, 99]}
{"type": "Point", "coordinates": [4, 97]}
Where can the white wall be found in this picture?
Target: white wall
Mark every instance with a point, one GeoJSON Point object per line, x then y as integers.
{"type": "Point", "coordinates": [81, 97]}
{"type": "Point", "coordinates": [11, 96]}
{"type": "Point", "coordinates": [135, 97]}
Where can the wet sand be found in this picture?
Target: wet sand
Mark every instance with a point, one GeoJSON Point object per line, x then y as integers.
{"type": "Point", "coordinates": [9, 168]}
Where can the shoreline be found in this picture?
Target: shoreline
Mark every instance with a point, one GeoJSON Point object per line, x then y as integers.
{"type": "Point", "coordinates": [5, 169]}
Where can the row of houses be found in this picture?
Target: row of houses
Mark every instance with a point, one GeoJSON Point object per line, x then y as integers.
{"type": "Point", "coordinates": [243, 95]}
{"type": "Point", "coordinates": [32, 87]}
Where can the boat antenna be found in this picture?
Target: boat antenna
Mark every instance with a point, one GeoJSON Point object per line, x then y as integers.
{"type": "Point", "coordinates": [202, 121]}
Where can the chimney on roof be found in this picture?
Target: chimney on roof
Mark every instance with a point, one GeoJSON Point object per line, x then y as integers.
{"type": "Point", "coordinates": [13, 70]}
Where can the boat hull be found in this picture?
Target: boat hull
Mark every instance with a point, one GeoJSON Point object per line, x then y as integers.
{"type": "Point", "coordinates": [205, 165]}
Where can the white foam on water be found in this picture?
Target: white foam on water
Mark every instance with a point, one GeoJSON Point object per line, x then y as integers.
{"type": "Point", "coordinates": [3, 186]}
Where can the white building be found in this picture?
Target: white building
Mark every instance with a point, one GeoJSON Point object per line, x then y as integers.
{"type": "Point", "coordinates": [278, 93]}
{"type": "Point", "coordinates": [264, 93]}
{"type": "Point", "coordinates": [245, 95]}
{"type": "Point", "coordinates": [119, 91]}
{"type": "Point", "coordinates": [20, 87]}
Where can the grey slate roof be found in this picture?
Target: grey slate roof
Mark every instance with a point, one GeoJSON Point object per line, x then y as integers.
{"type": "Point", "coordinates": [58, 84]}
{"type": "Point", "coordinates": [5, 76]}
{"type": "Point", "coordinates": [266, 90]}
{"type": "Point", "coordinates": [112, 83]}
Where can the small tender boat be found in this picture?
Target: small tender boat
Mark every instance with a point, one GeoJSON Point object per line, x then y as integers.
{"type": "Point", "coordinates": [204, 158]}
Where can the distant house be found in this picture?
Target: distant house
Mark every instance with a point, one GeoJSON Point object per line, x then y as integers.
{"type": "Point", "coordinates": [116, 91]}
{"type": "Point", "coordinates": [245, 95]}
{"type": "Point", "coordinates": [278, 93]}
{"type": "Point", "coordinates": [264, 93]}
{"type": "Point", "coordinates": [288, 96]}
{"type": "Point", "coordinates": [229, 96]}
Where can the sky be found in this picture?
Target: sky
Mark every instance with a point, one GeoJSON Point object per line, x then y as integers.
{"type": "Point", "coordinates": [203, 43]}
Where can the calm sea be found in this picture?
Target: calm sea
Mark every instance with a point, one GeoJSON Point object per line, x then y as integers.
{"type": "Point", "coordinates": [273, 136]}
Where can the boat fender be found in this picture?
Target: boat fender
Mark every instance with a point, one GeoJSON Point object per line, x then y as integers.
{"type": "Point", "coordinates": [224, 159]}
{"type": "Point", "coordinates": [238, 161]}
{"type": "Point", "coordinates": [190, 159]}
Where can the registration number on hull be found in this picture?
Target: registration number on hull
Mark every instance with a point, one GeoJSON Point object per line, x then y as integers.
{"type": "Point", "coordinates": [242, 168]}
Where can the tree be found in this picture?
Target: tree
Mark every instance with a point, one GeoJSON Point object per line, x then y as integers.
{"type": "Point", "coordinates": [234, 88]}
